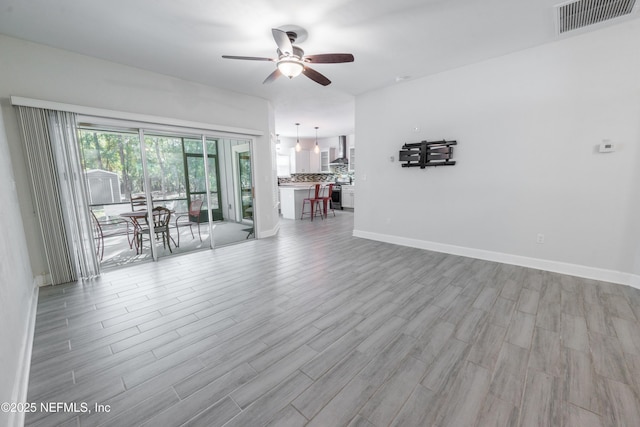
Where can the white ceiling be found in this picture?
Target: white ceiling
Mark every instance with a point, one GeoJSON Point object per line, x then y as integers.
{"type": "Point", "coordinates": [389, 39]}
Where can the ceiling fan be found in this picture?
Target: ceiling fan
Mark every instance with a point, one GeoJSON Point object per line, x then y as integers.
{"type": "Point", "coordinates": [292, 61]}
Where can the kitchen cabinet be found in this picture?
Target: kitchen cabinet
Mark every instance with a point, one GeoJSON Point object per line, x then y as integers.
{"type": "Point", "coordinates": [284, 165]}
{"type": "Point", "coordinates": [326, 156]}
{"type": "Point", "coordinates": [348, 196]}
{"type": "Point", "coordinates": [314, 162]}
{"type": "Point", "coordinates": [304, 161]}
{"type": "Point", "coordinates": [299, 161]}
{"type": "Point", "coordinates": [352, 159]}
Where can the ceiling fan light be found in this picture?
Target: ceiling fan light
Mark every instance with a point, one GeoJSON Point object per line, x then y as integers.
{"type": "Point", "coordinates": [290, 67]}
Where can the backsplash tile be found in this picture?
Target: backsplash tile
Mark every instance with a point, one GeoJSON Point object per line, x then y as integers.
{"type": "Point", "coordinates": [317, 177]}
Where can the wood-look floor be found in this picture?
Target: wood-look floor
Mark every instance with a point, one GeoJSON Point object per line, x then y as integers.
{"type": "Point", "coordinates": [315, 327]}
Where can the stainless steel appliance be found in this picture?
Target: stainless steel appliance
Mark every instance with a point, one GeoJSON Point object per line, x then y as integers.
{"type": "Point", "coordinates": [336, 195]}
{"type": "Point", "coordinates": [342, 159]}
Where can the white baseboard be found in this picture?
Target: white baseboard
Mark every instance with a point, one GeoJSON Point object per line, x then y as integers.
{"type": "Point", "coordinates": [21, 384]}
{"type": "Point", "coordinates": [269, 233]}
{"type": "Point", "coordinates": [540, 264]}
{"type": "Point", "coordinates": [43, 279]}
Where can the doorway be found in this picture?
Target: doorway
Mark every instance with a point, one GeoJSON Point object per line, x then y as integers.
{"type": "Point", "coordinates": [235, 162]}
{"type": "Point", "coordinates": [197, 172]}
{"type": "Point", "coordinates": [244, 187]}
{"type": "Point", "coordinates": [242, 162]}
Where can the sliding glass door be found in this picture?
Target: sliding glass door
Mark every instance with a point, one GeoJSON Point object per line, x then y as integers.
{"type": "Point", "coordinates": [242, 162]}
{"type": "Point", "coordinates": [236, 186]}
{"type": "Point", "coordinates": [173, 175]}
{"type": "Point", "coordinates": [197, 173]}
{"type": "Point", "coordinates": [154, 194]}
{"type": "Point", "coordinates": [112, 163]}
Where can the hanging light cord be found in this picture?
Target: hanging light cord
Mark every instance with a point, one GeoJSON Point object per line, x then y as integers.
{"type": "Point", "coordinates": [316, 149]}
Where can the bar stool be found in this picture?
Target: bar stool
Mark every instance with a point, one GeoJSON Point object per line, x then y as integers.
{"type": "Point", "coordinates": [326, 200]}
{"type": "Point", "coordinates": [314, 201]}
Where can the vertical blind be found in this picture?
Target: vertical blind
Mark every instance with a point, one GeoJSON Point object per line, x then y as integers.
{"type": "Point", "coordinates": [59, 191]}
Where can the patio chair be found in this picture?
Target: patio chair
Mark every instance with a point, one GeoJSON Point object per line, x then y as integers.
{"type": "Point", "coordinates": [98, 235]}
{"type": "Point", "coordinates": [105, 228]}
{"type": "Point", "coordinates": [190, 219]}
{"type": "Point", "coordinates": [161, 219]}
{"type": "Point", "coordinates": [139, 203]}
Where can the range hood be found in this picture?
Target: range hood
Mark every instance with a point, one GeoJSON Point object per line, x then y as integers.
{"type": "Point", "coordinates": [342, 152]}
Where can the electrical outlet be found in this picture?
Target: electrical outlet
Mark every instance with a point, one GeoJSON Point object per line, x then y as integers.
{"type": "Point", "coordinates": [540, 238]}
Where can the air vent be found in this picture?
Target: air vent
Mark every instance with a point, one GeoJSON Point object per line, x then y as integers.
{"type": "Point", "coordinates": [582, 13]}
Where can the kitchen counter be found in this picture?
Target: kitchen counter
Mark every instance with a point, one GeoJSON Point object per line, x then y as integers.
{"type": "Point", "coordinates": [291, 196]}
{"type": "Point", "coordinates": [300, 184]}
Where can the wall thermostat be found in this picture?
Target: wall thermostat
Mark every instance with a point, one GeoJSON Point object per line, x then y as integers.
{"type": "Point", "coordinates": [606, 147]}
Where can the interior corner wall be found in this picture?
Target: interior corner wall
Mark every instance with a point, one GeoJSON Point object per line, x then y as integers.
{"type": "Point", "coordinates": [528, 125]}
{"type": "Point", "coordinates": [268, 222]}
{"type": "Point", "coordinates": [17, 289]}
{"type": "Point", "coordinates": [41, 72]}
{"type": "Point", "coordinates": [633, 224]}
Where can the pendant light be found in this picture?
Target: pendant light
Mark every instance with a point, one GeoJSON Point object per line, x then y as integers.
{"type": "Point", "coordinates": [298, 146]}
{"type": "Point", "coordinates": [316, 149]}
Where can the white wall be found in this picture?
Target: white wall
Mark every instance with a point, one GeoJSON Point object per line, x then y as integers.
{"type": "Point", "coordinates": [527, 125]}
{"type": "Point", "coordinates": [36, 71]}
{"type": "Point", "coordinates": [17, 289]}
{"type": "Point", "coordinates": [634, 223]}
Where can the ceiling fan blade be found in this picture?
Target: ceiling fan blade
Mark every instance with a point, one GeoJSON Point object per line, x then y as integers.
{"type": "Point", "coordinates": [316, 76]}
{"type": "Point", "coordinates": [329, 58]}
{"type": "Point", "coordinates": [271, 77]}
{"type": "Point", "coordinates": [282, 40]}
{"type": "Point", "coordinates": [248, 58]}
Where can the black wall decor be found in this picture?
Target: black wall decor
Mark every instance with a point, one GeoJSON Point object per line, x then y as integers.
{"type": "Point", "coordinates": [425, 153]}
